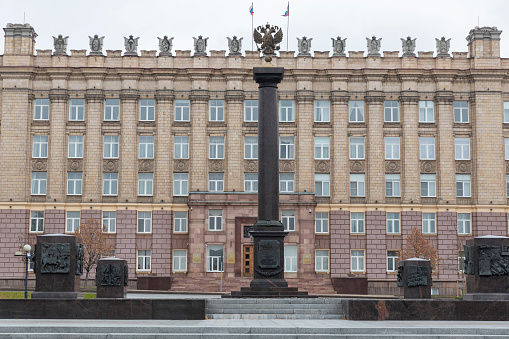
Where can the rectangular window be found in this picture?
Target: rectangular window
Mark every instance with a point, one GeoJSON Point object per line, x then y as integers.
{"type": "Point", "coordinates": [428, 185]}
{"type": "Point", "coordinates": [143, 260]}
{"type": "Point", "coordinates": [74, 183]}
{"type": "Point", "coordinates": [507, 185]}
{"type": "Point", "coordinates": [357, 223]}
{"type": "Point", "coordinates": [357, 185]}
{"type": "Point", "coordinates": [288, 220]}
{"type": "Point", "coordinates": [427, 148]}
{"type": "Point", "coordinates": [110, 147]}
{"type": "Point", "coordinates": [73, 221]}
{"type": "Point", "coordinates": [506, 148]}
{"type": "Point", "coordinates": [429, 223]}
{"type": "Point", "coordinates": [146, 147]}
{"type": "Point", "coordinates": [506, 112]}
{"type": "Point", "coordinates": [215, 258]}
{"type": "Point", "coordinates": [322, 148]}
{"type": "Point", "coordinates": [391, 111]}
{"type": "Point", "coordinates": [147, 109]}
{"type": "Point", "coordinates": [112, 110]}
{"type": "Point", "coordinates": [322, 222]}
{"type": "Point", "coordinates": [182, 110]}
{"type": "Point", "coordinates": [392, 185]}
{"type": "Point", "coordinates": [77, 110]}
{"type": "Point", "coordinates": [75, 146]}
{"type": "Point", "coordinates": [357, 260]}
{"type": "Point", "coordinates": [392, 148]}
{"type": "Point", "coordinates": [145, 184]}
{"type": "Point", "coordinates": [181, 147]}
{"type": "Point", "coordinates": [286, 111]}
{"type": "Point", "coordinates": [357, 148]}
{"type": "Point", "coordinates": [110, 183]}
{"type": "Point", "coordinates": [215, 220]}
{"type": "Point", "coordinates": [290, 258]}
{"type": "Point", "coordinates": [286, 182]}
{"type": "Point", "coordinates": [144, 222]}
{"type": "Point", "coordinates": [251, 110]}
{"type": "Point", "coordinates": [462, 148]}
{"type": "Point", "coordinates": [41, 109]}
{"type": "Point", "coordinates": [464, 223]}
{"type": "Point", "coordinates": [322, 185]}
{"type": "Point", "coordinates": [356, 110]}
{"type": "Point", "coordinates": [426, 111]}
{"type": "Point", "coordinates": [40, 146]}
{"type": "Point", "coordinates": [286, 148]}
{"type": "Point", "coordinates": [251, 182]}
{"type": "Point", "coordinates": [322, 111]}
{"type": "Point", "coordinates": [216, 182]}
{"type": "Point", "coordinates": [37, 221]}
{"type": "Point", "coordinates": [393, 223]}
{"type": "Point", "coordinates": [39, 183]}
{"type": "Point", "coordinates": [179, 260]}
{"type": "Point", "coordinates": [216, 110]}
{"type": "Point", "coordinates": [321, 260]}
{"type": "Point", "coordinates": [216, 147]}
{"type": "Point", "coordinates": [180, 222]}
{"type": "Point", "coordinates": [461, 111]}
{"type": "Point", "coordinates": [392, 261]}
{"type": "Point", "coordinates": [180, 184]}
{"type": "Point", "coordinates": [251, 147]}
{"type": "Point", "coordinates": [109, 222]}
{"type": "Point", "coordinates": [463, 185]}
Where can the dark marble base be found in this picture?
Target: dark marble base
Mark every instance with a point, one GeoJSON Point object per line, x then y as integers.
{"type": "Point", "coordinates": [413, 309]}
{"type": "Point", "coordinates": [125, 309]}
{"type": "Point", "coordinates": [268, 292]}
{"type": "Point", "coordinates": [486, 296]}
{"type": "Point", "coordinates": [350, 285]}
{"type": "Point", "coordinates": [154, 283]}
{"type": "Point", "coordinates": [268, 283]}
{"type": "Point", "coordinates": [55, 295]}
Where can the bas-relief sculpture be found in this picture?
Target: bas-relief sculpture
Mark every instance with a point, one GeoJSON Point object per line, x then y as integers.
{"type": "Point", "coordinates": [96, 45]}
{"type": "Point", "coordinates": [60, 45]}
{"type": "Point", "coordinates": [304, 46]}
{"type": "Point", "coordinates": [263, 36]}
{"type": "Point", "coordinates": [338, 46]}
{"type": "Point", "coordinates": [126, 275]}
{"type": "Point", "coordinates": [374, 45]}
{"type": "Point", "coordinates": [408, 46]}
{"type": "Point", "coordinates": [200, 45]}
{"type": "Point", "coordinates": [493, 260]}
{"type": "Point", "coordinates": [234, 45]}
{"type": "Point", "coordinates": [110, 275]}
{"type": "Point", "coordinates": [80, 254]}
{"type": "Point", "coordinates": [55, 258]}
{"type": "Point", "coordinates": [417, 276]}
{"type": "Point", "coordinates": [131, 45]}
{"type": "Point", "coordinates": [165, 46]}
{"type": "Point", "coordinates": [443, 47]}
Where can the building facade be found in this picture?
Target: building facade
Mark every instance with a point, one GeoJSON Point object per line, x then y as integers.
{"type": "Point", "coordinates": [163, 149]}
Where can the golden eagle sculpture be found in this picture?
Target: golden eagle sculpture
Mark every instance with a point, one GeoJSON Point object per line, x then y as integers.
{"type": "Point", "coordinates": [268, 43]}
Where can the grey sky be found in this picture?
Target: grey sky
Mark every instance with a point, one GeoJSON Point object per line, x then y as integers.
{"type": "Point", "coordinates": [217, 19]}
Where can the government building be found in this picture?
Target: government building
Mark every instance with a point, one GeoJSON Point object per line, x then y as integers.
{"type": "Point", "coordinates": [162, 147]}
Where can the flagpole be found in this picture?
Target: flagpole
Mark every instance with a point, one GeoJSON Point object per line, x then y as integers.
{"type": "Point", "coordinates": [288, 26]}
{"type": "Point", "coordinates": [252, 29]}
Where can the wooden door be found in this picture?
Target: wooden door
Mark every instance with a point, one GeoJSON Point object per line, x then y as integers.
{"type": "Point", "coordinates": [247, 261]}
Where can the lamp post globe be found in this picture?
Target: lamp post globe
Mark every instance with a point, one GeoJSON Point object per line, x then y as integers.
{"type": "Point", "coordinates": [27, 248]}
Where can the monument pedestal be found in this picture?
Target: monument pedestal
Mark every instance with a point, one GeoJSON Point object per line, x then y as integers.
{"type": "Point", "coordinates": [111, 278]}
{"type": "Point", "coordinates": [414, 275]}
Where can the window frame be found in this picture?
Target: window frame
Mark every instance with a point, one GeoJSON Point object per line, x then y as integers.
{"type": "Point", "coordinates": [144, 218]}
{"type": "Point", "coordinates": [74, 109]}
{"type": "Point", "coordinates": [392, 258]}
{"type": "Point", "coordinates": [322, 185]}
{"type": "Point", "coordinates": [182, 218]}
{"type": "Point", "coordinates": [429, 225]}
{"type": "Point", "coordinates": [112, 110]}
{"type": "Point", "coordinates": [322, 148]}
{"type": "Point", "coordinates": [111, 147]}
{"type": "Point", "coordinates": [291, 261]}
{"type": "Point", "coordinates": [393, 184]}
{"type": "Point", "coordinates": [430, 183]}
{"type": "Point", "coordinates": [358, 257]}
{"type": "Point", "coordinates": [322, 113]}
{"type": "Point", "coordinates": [146, 149]}
{"type": "Point", "coordinates": [357, 223]}
{"type": "Point", "coordinates": [182, 259]}
{"type": "Point", "coordinates": [250, 184]}
{"type": "Point", "coordinates": [110, 184]}
{"type": "Point", "coordinates": [464, 223]}
{"type": "Point", "coordinates": [180, 111]}
{"type": "Point", "coordinates": [182, 183]}
{"type": "Point", "coordinates": [77, 146]}
{"type": "Point", "coordinates": [287, 143]}
{"type": "Point", "coordinates": [286, 183]}
{"type": "Point", "coordinates": [460, 109]}
{"type": "Point", "coordinates": [319, 260]}
{"type": "Point", "coordinates": [459, 148]}
{"type": "Point", "coordinates": [250, 147]}
{"type": "Point", "coordinates": [143, 257]}
{"type": "Point", "coordinates": [180, 144]}
{"type": "Point", "coordinates": [216, 182]}
{"type": "Point", "coordinates": [463, 185]}
{"type": "Point", "coordinates": [289, 111]}
{"type": "Point", "coordinates": [357, 111]}
{"type": "Point", "coordinates": [360, 186]}
{"type": "Point", "coordinates": [392, 149]}
{"type": "Point", "coordinates": [216, 147]}
{"type": "Point", "coordinates": [147, 110]}
{"type": "Point", "coordinates": [145, 184]}
{"type": "Point", "coordinates": [427, 147]}
{"type": "Point", "coordinates": [72, 221]}
{"type": "Point", "coordinates": [39, 185]}
{"type": "Point", "coordinates": [322, 223]}
{"type": "Point", "coordinates": [40, 146]}
{"type": "Point", "coordinates": [506, 112]}
{"type": "Point", "coordinates": [216, 111]}
{"type": "Point", "coordinates": [109, 222]}
{"type": "Point", "coordinates": [210, 259]}
{"type": "Point", "coordinates": [393, 111]}
{"type": "Point", "coordinates": [391, 223]}
{"type": "Point", "coordinates": [41, 109]}
{"type": "Point", "coordinates": [288, 220]}
{"type": "Point", "coordinates": [356, 147]}
{"type": "Point", "coordinates": [424, 111]}
{"type": "Point", "coordinates": [74, 185]}
{"type": "Point", "coordinates": [39, 222]}
{"type": "Point", "coordinates": [215, 220]}
{"type": "Point", "coordinates": [252, 109]}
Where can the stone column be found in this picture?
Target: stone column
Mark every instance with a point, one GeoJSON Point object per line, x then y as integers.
{"type": "Point", "coordinates": [163, 146]}
{"type": "Point", "coordinates": [304, 143]}
{"type": "Point", "coordinates": [92, 168]}
{"type": "Point", "coordinates": [375, 174]}
{"type": "Point", "coordinates": [444, 148]}
{"type": "Point", "coordinates": [128, 146]}
{"type": "Point", "coordinates": [411, 177]}
{"type": "Point", "coordinates": [57, 156]}
{"type": "Point", "coordinates": [199, 141]}
{"type": "Point", "coordinates": [340, 179]}
{"type": "Point", "coordinates": [234, 173]}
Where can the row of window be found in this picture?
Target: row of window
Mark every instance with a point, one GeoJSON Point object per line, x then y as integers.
{"type": "Point", "coordinates": [286, 110]}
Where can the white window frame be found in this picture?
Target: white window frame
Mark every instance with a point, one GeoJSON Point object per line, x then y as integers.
{"type": "Point", "coordinates": [506, 140]}
{"type": "Point", "coordinates": [393, 222]}
{"type": "Point", "coordinates": [357, 261]}
{"type": "Point", "coordinates": [181, 147]}
{"type": "Point", "coordinates": [251, 110]}
{"type": "Point", "coordinates": [291, 255]}
{"type": "Point", "coordinates": [112, 110]}
{"type": "Point", "coordinates": [322, 185]}
{"type": "Point", "coordinates": [429, 223]}
{"type": "Point", "coordinates": [216, 110]}
{"type": "Point", "coordinates": [463, 185]}
{"type": "Point", "coordinates": [464, 224]}
{"type": "Point", "coordinates": [392, 261]}
{"type": "Point", "coordinates": [111, 146]}
{"type": "Point", "coordinates": [143, 260]}
{"type": "Point", "coordinates": [506, 112]}
{"type": "Point", "coordinates": [393, 185]}
{"type": "Point", "coordinates": [216, 147]}
{"type": "Point", "coordinates": [428, 181]}
{"type": "Point", "coordinates": [216, 182]}
{"type": "Point", "coordinates": [322, 222]}
{"type": "Point", "coordinates": [251, 182]}
{"type": "Point", "coordinates": [215, 262]}
{"type": "Point", "coordinates": [356, 111]}
{"type": "Point", "coordinates": [286, 183]}
{"type": "Point", "coordinates": [41, 109]}
{"type": "Point", "coordinates": [109, 219]}
{"type": "Point", "coordinates": [144, 224]}
{"type": "Point", "coordinates": [75, 146]}
{"type": "Point", "coordinates": [288, 220]}
{"type": "Point", "coordinates": [110, 184]}
{"type": "Point", "coordinates": [251, 147]}
{"type": "Point", "coordinates": [72, 222]}
{"type": "Point", "coordinates": [40, 146]}
{"type": "Point", "coordinates": [322, 111]}
{"type": "Point", "coordinates": [77, 110]}
{"type": "Point", "coordinates": [426, 111]}
{"type": "Point", "coordinates": [460, 110]}
{"type": "Point", "coordinates": [215, 220]}
{"type": "Point", "coordinates": [182, 110]}
{"type": "Point", "coordinates": [322, 148]}
{"type": "Point", "coordinates": [179, 260]}
{"type": "Point", "coordinates": [39, 183]}
{"type": "Point", "coordinates": [322, 261]}
{"type": "Point", "coordinates": [74, 183]}
{"type": "Point", "coordinates": [507, 185]}
{"type": "Point", "coordinates": [392, 148]}
{"type": "Point", "coordinates": [36, 221]}
{"type": "Point", "coordinates": [357, 185]}
{"type": "Point", "coordinates": [146, 147]}
{"type": "Point", "coordinates": [147, 110]}
{"type": "Point", "coordinates": [286, 111]}
{"type": "Point", "coordinates": [357, 223]}
{"type": "Point", "coordinates": [426, 148]}
{"type": "Point", "coordinates": [462, 148]}
{"type": "Point", "coordinates": [180, 184]}
{"type": "Point", "coordinates": [179, 222]}
{"type": "Point", "coordinates": [391, 111]}
{"type": "Point", "coordinates": [357, 149]}
{"type": "Point", "coordinates": [145, 184]}
{"type": "Point", "coordinates": [287, 148]}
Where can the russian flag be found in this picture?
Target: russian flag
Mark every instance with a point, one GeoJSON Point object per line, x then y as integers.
{"type": "Point", "coordinates": [287, 13]}
{"type": "Point", "coordinates": [251, 9]}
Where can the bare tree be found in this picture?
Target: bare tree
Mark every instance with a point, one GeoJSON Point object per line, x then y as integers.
{"type": "Point", "coordinates": [96, 244]}
{"type": "Point", "coordinates": [418, 247]}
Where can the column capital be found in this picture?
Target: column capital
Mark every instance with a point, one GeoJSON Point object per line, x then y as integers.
{"type": "Point", "coordinates": [340, 97]}
{"type": "Point", "coordinates": [235, 96]}
{"type": "Point", "coordinates": [94, 95]}
{"type": "Point", "coordinates": [129, 94]}
{"type": "Point", "coordinates": [199, 96]}
{"type": "Point", "coordinates": [303, 96]}
{"type": "Point", "coordinates": [58, 95]}
{"type": "Point", "coordinates": [444, 97]}
{"type": "Point", "coordinates": [409, 97]}
{"type": "Point", "coordinates": [374, 97]}
{"type": "Point", "coordinates": [164, 95]}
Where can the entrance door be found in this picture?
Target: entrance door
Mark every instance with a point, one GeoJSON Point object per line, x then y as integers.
{"type": "Point", "coordinates": [247, 262]}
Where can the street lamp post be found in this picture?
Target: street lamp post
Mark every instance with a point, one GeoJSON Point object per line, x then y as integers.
{"type": "Point", "coordinates": [27, 248]}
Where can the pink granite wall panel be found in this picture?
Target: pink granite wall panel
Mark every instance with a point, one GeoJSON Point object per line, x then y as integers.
{"type": "Point", "coordinates": [448, 245]}
{"type": "Point", "coordinates": [54, 221]}
{"type": "Point", "coordinates": [126, 235]}
{"type": "Point", "coordinates": [90, 214]}
{"type": "Point", "coordinates": [489, 223]}
{"type": "Point", "coordinates": [161, 242]}
{"type": "Point", "coordinates": [375, 245]}
{"type": "Point", "coordinates": [13, 236]}
{"type": "Point", "coordinates": [340, 245]}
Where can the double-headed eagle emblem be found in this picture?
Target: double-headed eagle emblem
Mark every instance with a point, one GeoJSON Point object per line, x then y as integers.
{"type": "Point", "coordinates": [267, 41]}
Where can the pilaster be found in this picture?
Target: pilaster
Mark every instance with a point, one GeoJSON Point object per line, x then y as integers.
{"type": "Point", "coordinates": [234, 174]}
{"type": "Point", "coordinates": [56, 175]}
{"type": "Point", "coordinates": [375, 178]}
{"type": "Point", "coordinates": [304, 143]}
{"type": "Point", "coordinates": [444, 148]}
{"type": "Point", "coordinates": [128, 146]}
{"type": "Point", "coordinates": [163, 146]}
{"type": "Point", "coordinates": [411, 178]}
{"type": "Point", "coordinates": [199, 148]}
{"type": "Point", "coordinates": [340, 179]}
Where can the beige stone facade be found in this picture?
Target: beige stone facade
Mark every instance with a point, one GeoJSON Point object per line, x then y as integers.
{"type": "Point", "coordinates": [363, 176]}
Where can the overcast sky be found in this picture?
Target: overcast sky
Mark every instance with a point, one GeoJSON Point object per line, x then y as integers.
{"type": "Point", "coordinates": [217, 19]}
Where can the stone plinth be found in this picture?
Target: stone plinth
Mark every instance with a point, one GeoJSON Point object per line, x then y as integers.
{"type": "Point", "coordinates": [414, 275]}
{"type": "Point", "coordinates": [487, 268]}
{"type": "Point", "coordinates": [58, 266]}
{"type": "Point", "coordinates": [111, 278]}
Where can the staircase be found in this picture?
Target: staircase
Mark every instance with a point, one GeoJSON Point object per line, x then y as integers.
{"type": "Point", "coordinates": [288, 308]}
